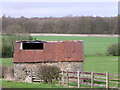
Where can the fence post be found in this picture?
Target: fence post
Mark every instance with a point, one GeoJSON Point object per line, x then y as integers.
{"type": "Point", "coordinates": [63, 78]}
{"type": "Point", "coordinates": [92, 79]}
{"type": "Point", "coordinates": [78, 76]}
{"type": "Point", "coordinates": [60, 79]}
{"type": "Point", "coordinates": [107, 80]}
{"type": "Point", "coordinates": [31, 75]}
{"type": "Point", "coordinates": [67, 78]}
{"type": "Point", "coordinates": [59, 82]}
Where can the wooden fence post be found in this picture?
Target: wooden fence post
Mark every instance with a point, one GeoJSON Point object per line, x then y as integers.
{"type": "Point", "coordinates": [107, 80]}
{"type": "Point", "coordinates": [67, 78]}
{"type": "Point", "coordinates": [78, 76]}
{"type": "Point", "coordinates": [63, 78]}
{"type": "Point", "coordinates": [92, 79]}
{"type": "Point", "coordinates": [31, 75]}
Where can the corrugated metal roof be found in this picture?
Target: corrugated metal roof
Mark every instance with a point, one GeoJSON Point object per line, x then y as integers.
{"type": "Point", "coordinates": [37, 41]}
{"type": "Point", "coordinates": [52, 51]}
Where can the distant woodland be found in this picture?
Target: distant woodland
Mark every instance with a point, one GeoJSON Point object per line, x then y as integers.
{"type": "Point", "coordinates": [61, 25]}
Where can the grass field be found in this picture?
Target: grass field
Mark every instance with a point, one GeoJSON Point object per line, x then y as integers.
{"type": "Point", "coordinates": [92, 45]}
{"type": "Point", "coordinates": [94, 48]}
{"type": "Point", "coordinates": [12, 84]}
{"type": "Point", "coordinates": [91, 63]}
{"type": "Point", "coordinates": [101, 64]}
{"type": "Point", "coordinates": [6, 61]}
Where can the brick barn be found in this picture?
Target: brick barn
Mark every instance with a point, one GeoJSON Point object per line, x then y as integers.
{"type": "Point", "coordinates": [28, 55]}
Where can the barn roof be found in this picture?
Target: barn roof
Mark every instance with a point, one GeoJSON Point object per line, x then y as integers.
{"type": "Point", "coordinates": [39, 41]}
{"type": "Point", "coordinates": [42, 51]}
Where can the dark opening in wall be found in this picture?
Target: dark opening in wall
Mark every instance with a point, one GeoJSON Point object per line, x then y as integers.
{"type": "Point", "coordinates": [29, 46]}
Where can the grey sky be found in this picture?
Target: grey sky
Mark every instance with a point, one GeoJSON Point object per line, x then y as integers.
{"type": "Point", "coordinates": [59, 9]}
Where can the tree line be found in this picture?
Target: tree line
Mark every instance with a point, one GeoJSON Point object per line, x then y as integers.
{"type": "Point", "coordinates": [61, 25]}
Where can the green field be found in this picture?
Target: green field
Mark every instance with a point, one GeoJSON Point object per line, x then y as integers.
{"type": "Point", "coordinates": [95, 59]}
{"type": "Point", "coordinates": [91, 63]}
{"type": "Point", "coordinates": [12, 84]}
{"type": "Point", "coordinates": [92, 45]}
{"type": "Point", "coordinates": [101, 64]}
{"type": "Point", "coordinates": [6, 61]}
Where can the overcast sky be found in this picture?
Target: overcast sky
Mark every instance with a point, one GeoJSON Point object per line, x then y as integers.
{"type": "Point", "coordinates": [59, 0]}
{"type": "Point", "coordinates": [35, 8]}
